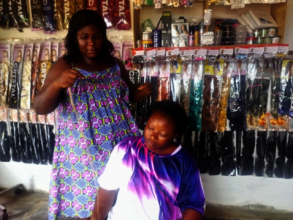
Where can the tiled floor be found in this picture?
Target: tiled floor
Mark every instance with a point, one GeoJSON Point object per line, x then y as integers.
{"type": "Point", "coordinates": [33, 206]}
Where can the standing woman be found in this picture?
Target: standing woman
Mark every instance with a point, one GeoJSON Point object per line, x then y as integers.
{"type": "Point", "coordinates": [101, 90]}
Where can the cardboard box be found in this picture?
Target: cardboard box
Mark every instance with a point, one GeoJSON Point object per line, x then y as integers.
{"type": "Point", "coordinates": [166, 40]}
{"type": "Point", "coordinates": [180, 29]}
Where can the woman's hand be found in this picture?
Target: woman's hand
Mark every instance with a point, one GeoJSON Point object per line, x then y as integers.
{"type": "Point", "coordinates": [67, 78]}
{"type": "Point", "coordinates": [143, 91]}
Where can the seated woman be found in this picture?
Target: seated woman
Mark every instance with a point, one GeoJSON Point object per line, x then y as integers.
{"type": "Point", "coordinates": [151, 177]}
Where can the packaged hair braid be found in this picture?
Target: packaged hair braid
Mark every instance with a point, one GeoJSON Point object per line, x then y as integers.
{"type": "Point", "coordinates": [107, 11]}
{"type": "Point", "coordinates": [93, 5]}
{"type": "Point", "coordinates": [4, 136]}
{"type": "Point", "coordinates": [54, 52]}
{"type": "Point", "coordinates": [45, 64]}
{"type": "Point", "coordinates": [153, 76]}
{"type": "Point", "coordinates": [261, 145]}
{"type": "Point", "coordinates": [122, 15]}
{"type": "Point", "coordinates": [4, 72]}
{"type": "Point", "coordinates": [80, 4]}
{"type": "Point", "coordinates": [20, 14]}
{"type": "Point", "coordinates": [270, 153]}
{"type": "Point", "coordinates": [118, 50]}
{"type": "Point", "coordinates": [15, 80]}
{"type": "Point", "coordinates": [48, 10]}
{"type": "Point", "coordinates": [127, 49]}
{"type": "Point", "coordinates": [247, 151]}
{"type": "Point", "coordinates": [14, 138]}
{"type": "Point", "coordinates": [4, 14]}
{"type": "Point", "coordinates": [42, 138]}
{"type": "Point", "coordinates": [215, 153]}
{"type": "Point", "coordinates": [37, 15]}
{"type": "Point", "coordinates": [34, 137]}
{"type": "Point", "coordinates": [228, 155]}
{"type": "Point", "coordinates": [58, 13]}
{"type": "Point", "coordinates": [164, 81]}
{"type": "Point", "coordinates": [186, 72]}
{"type": "Point", "coordinates": [281, 154]}
{"type": "Point", "coordinates": [35, 71]}
{"type": "Point", "coordinates": [25, 93]}
{"type": "Point", "coordinates": [62, 50]}
{"type": "Point", "coordinates": [50, 121]}
{"type": "Point", "coordinates": [289, 157]}
{"type": "Point", "coordinates": [175, 77]}
{"type": "Point", "coordinates": [25, 137]}
{"type": "Point", "coordinates": [203, 151]}
{"type": "Point", "coordinates": [12, 18]}
{"type": "Point", "coordinates": [69, 10]}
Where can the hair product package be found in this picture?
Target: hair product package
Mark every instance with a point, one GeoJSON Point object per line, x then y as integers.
{"type": "Point", "coordinates": [14, 138]}
{"type": "Point", "coordinates": [69, 10]}
{"type": "Point", "coordinates": [289, 157]}
{"type": "Point", "coordinates": [107, 11]}
{"type": "Point", "coordinates": [35, 71]}
{"type": "Point", "coordinates": [80, 4]}
{"type": "Point", "coordinates": [45, 64]}
{"type": "Point", "coordinates": [42, 138]}
{"type": "Point", "coordinates": [4, 14]}
{"type": "Point", "coordinates": [122, 15]}
{"type": "Point", "coordinates": [12, 18]}
{"type": "Point", "coordinates": [261, 146]}
{"type": "Point", "coordinates": [37, 15]}
{"type": "Point", "coordinates": [175, 80]}
{"type": "Point", "coordinates": [118, 50]}
{"type": "Point", "coordinates": [153, 76]}
{"type": "Point", "coordinates": [270, 154]}
{"type": "Point", "coordinates": [215, 153]}
{"type": "Point", "coordinates": [164, 81]}
{"type": "Point", "coordinates": [48, 10]}
{"type": "Point", "coordinates": [54, 51]}
{"type": "Point", "coordinates": [203, 151]}
{"type": "Point", "coordinates": [25, 95]}
{"type": "Point", "coordinates": [58, 13]}
{"type": "Point", "coordinates": [4, 136]}
{"type": "Point", "coordinates": [50, 135]}
{"type": "Point", "coordinates": [4, 72]}
{"type": "Point", "coordinates": [25, 137]}
{"type": "Point", "coordinates": [186, 71]}
{"type": "Point", "coordinates": [33, 130]}
{"type": "Point", "coordinates": [246, 159]}
{"type": "Point", "coordinates": [93, 5]}
{"type": "Point", "coordinates": [62, 49]}
{"type": "Point", "coordinates": [15, 78]}
{"type": "Point", "coordinates": [228, 154]}
{"type": "Point", "coordinates": [127, 49]}
{"type": "Point", "coordinates": [281, 154]}
{"type": "Point", "coordinates": [20, 14]}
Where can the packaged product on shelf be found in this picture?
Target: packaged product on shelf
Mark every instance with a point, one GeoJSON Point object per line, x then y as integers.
{"type": "Point", "coordinates": [215, 153]}
{"type": "Point", "coordinates": [80, 4]}
{"type": "Point", "coordinates": [236, 104]}
{"type": "Point", "coordinates": [107, 11]}
{"type": "Point", "coordinates": [25, 93]}
{"type": "Point", "coordinates": [118, 50]}
{"type": "Point", "coordinates": [211, 94]}
{"type": "Point", "coordinates": [4, 14]}
{"type": "Point", "coordinates": [183, 41]}
{"type": "Point", "coordinates": [12, 19]}
{"type": "Point", "coordinates": [45, 64]}
{"type": "Point", "coordinates": [246, 152]}
{"type": "Point", "coordinates": [186, 84]}
{"type": "Point", "coordinates": [289, 157]}
{"type": "Point", "coordinates": [54, 51]}
{"type": "Point", "coordinates": [25, 137]}
{"type": "Point", "coordinates": [48, 10]}
{"type": "Point", "coordinates": [37, 15]}
{"type": "Point", "coordinates": [92, 5]}
{"type": "Point", "coordinates": [127, 48]}
{"type": "Point", "coordinates": [68, 11]}
{"type": "Point", "coordinates": [261, 146]}
{"type": "Point", "coordinates": [164, 81]}
{"type": "Point", "coordinates": [225, 90]}
{"type": "Point", "coordinates": [228, 155]}
{"type": "Point", "coordinates": [158, 4]}
{"type": "Point", "coordinates": [20, 13]}
{"type": "Point", "coordinates": [153, 76]}
{"type": "Point", "coordinates": [122, 15]}
{"type": "Point", "coordinates": [4, 136]}
{"type": "Point", "coordinates": [4, 72]}
{"type": "Point", "coordinates": [15, 77]}
{"type": "Point", "coordinates": [203, 151]}
{"type": "Point", "coordinates": [62, 49]}
{"type": "Point", "coordinates": [34, 137]}
{"type": "Point", "coordinates": [35, 71]}
{"type": "Point", "coordinates": [58, 13]}
{"type": "Point", "coordinates": [281, 154]}
{"type": "Point", "coordinates": [196, 89]}
{"type": "Point", "coordinates": [50, 136]}
{"type": "Point", "coordinates": [270, 154]}
{"type": "Point", "coordinates": [42, 139]}
{"type": "Point", "coordinates": [14, 138]}
{"type": "Point", "coordinates": [175, 76]}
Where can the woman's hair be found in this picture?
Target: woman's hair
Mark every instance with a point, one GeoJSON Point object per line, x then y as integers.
{"type": "Point", "coordinates": [79, 20]}
{"type": "Point", "coordinates": [174, 111]}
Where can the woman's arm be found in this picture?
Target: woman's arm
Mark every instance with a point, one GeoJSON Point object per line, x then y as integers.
{"type": "Point", "coordinates": [136, 93]}
{"type": "Point", "coordinates": [59, 77]}
{"type": "Point", "coordinates": [104, 201]}
{"type": "Point", "coordinates": [191, 214]}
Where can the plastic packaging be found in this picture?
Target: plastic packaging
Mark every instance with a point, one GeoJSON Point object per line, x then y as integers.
{"type": "Point", "coordinates": [271, 153]}
{"type": "Point", "coordinates": [281, 154]}
{"type": "Point", "coordinates": [92, 5]}
{"type": "Point", "coordinates": [50, 136]}
{"type": "Point", "coordinates": [48, 10]}
{"type": "Point", "coordinates": [261, 146]}
{"type": "Point", "coordinates": [34, 137]}
{"type": "Point", "coordinates": [186, 72]}
{"type": "Point", "coordinates": [15, 80]}
{"type": "Point", "coordinates": [62, 49]}
{"type": "Point", "coordinates": [54, 52]}
{"type": "Point", "coordinates": [24, 137]}
{"type": "Point", "coordinates": [25, 96]}
{"type": "Point", "coordinates": [236, 102]}
{"type": "Point", "coordinates": [68, 10]}
{"type": "Point", "coordinates": [175, 80]}
{"type": "Point", "coordinates": [37, 15]}
{"type": "Point", "coordinates": [225, 90]}
{"type": "Point", "coordinates": [45, 64]}
{"type": "Point", "coordinates": [14, 138]}
{"type": "Point", "coordinates": [127, 48]}
{"type": "Point", "coordinates": [4, 136]}
{"type": "Point", "coordinates": [42, 139]}
{"type": "Point", "coordinates": [247, 150]}
{"type": "Point", "coordinates": [4, 14]}
{"type": "Point", "coordinates": [35, 70]}
{"type": "Point", "coordinates": [203, 152]}
{"type": "Point", "coordinates": [118, 50]}
{"type": "Point", "coordinates": [215, 153]}
{"type": "Point", "coordinates": [11, 15]}
{"type": "Point", "coordinates": [196, 89]}
{"type": "Point", "coordinates": [58, 11]}
{"type": "Point", "coordinates": [122, 15]}
{"type": "Point", "coordinates": [107, 11]}
{"type": "Point", "coordinates": [289, 157]}
{"type": "Point", "coordinates": [20, 13]}
{"type": "Point", "coordinates": [4, 72]}
{"type": "Point", "coordinates": [164, 81]}
{"type": "Point", "coordinates": [228, 155]}
{"type": "Point", "coordinates": [80, 4]}
{"type": "Point", "coordinates": [153, 76]}
{"type": "Point", "coordinates": [211, 94]}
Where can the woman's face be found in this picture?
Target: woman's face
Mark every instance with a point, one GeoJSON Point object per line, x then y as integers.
{"type": "Point", "coordinates": [19, 53]}
{"type": "Point", "coordinates": [28, 52]}
{"type": "Point", "coordinates": [182, 27]}
{"type": "Point", "coordinates": [116, 54]}
{"type": "Point", "coordinates": [35, 53]}
{"type": "Point", "coordinates": [53, 52]}
{"type": "Point", "coordinates": [46, 52]}
{"type": "Point", "coordinates": [90, 41]}
{"type": "Point", "coordinates": [5, 54]}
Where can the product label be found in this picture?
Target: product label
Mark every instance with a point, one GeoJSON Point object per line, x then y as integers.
{"type": "Point", "coordinates": [200, 52]}
{"type": "Point", "coordinates": [161, 51]}
{"type": "Point", "coordinates": [212, 52]}
{"type": "Point", "coordinates": [151, 52]}
{"type": "Point", "coordinates": [256, 50]}
{"type": "Point", "coordinates": [241, 50]}
{"type": "Point", "coordinates": [271, 49]}
{"type": "Point", "coordinates": [172, 51]}
{"type": "Point", "coordinates": [226, 51]}
{"type": "Point", "coordinates": [283, 49]}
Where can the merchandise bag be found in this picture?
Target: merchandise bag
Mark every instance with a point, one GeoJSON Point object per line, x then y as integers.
{"type": "Point", "coordinates": [4, 72]}
{"type": "Point", "coordinates": [289, 157]}
{"type": "Point", "coordinates": [247, 151]}
{"type": "Point", "coordinates": [48, 10]}
{"type": "Point", "coordinates": [4, 136]}
{"type": "Point", "coordinates": [270, 153]}
{"type": "Point", "coordinates": [153, 76]}
{"type": "Point", "coordinates": [236, 101]}
{"type": "Point", "coordinates": [62, 49]}
{"type": "Point", "coordinates": [69, 10]}
{"type": "Point", "coordinates": [127, 48]}
{"type": "Point", "coordinates": [92, 5]}
{"type": "Point", "coordinates": [20, 14]}
{"type": "Point", "coordinates": [54, 52]}
{"type": "Point", "coordinates": [25, 94]}
{"type": "Point", "coordinates": [14, 138]}
{"type": "Point", "coordinates": [122, 15]}
{"type": "Point", "coordinates": [50, 119]}
{"type": "Point", "coordinates": [187, 142]}
{"type": "Point", "coordinates": [15, 77]}
{"type": "Point", "coordinates": [42, 139]}
{"type": "Point", "coordinates": [45, 64]}
{"type": "Point", "coordinates": [37, 15]}
{"type": "Point", "coordinates": [134, 76]}
{"type": "Point", "coordinates": [228, 155]}
{"type": "Point", "coordinates": [253, 92]}
{"type": "Point", "coordinates": [175, 80]}
{"type": "Point", "coordinates": [203, 151]}
{"type": "Point", "coordinates": [58, 13]}
{"type": "Point", "coordinates": [185, 84]}
{"type": "Point", "coordinates": [118, 50]}
{"type": "Point", "coordinates": [211, 94]}
{"type": "Point", "coordinates": [215, 153]}
{"type": "Point", "coordinates": [25, 137]}
{"type": "Point", "coordinates": [261, 146]}
{"type": "Point", "coordinates": [164, 81]}
{"type": "Point", "coordinates": [35, 71]}
{"type": "Point", "coordinates": [12, 18]}
{"type": "Point", "coordinates": [281, 154]}
{"type": "Point", "coordinates": [4, 14]}
{"type": "Point", "coordinates": [80, 4]}
{"type": "Point", "coordinates": [36, 154]}
{"type": "Point", "coordinates": [107, 11]}
{"type": "Point", "coordinates": [225, 90]}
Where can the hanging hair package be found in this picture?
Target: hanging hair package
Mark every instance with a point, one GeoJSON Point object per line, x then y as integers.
{"type": "Point", "coordinates": [35, 71]}
{"type": "Point", "coordinates": [25, 137]}
{"type": "Point", "coordinates": [118, 50]}
{"type": "Point", "coordinates": [271, 153]}
{"type": "Point", "coordinates": [175, 80]}
{"type": "Point", "coordinates": [69, 10]}
{"type": "Point", "coordinates": [261, 145]}
{"type": "Point", "coordinates": [58, 11]}
{"type": "Point", "coordinates": [4, 136]}
{"type": "Point", "coordinates": [34, 137]}
{"type": "Point", "coordinates": [281, 154]}
{"type": "Point", "coordinates": [107, 12]}
{"type": "Point", "coordinates": [54, 52]}
{"type": "Point", "coordinates": [289, 157]}
{"type": "Point", "coordinates": [37, 15]}
{"type": "Point", "coordinates": [122, 15]}
{"type": "Point", "coordinates": [246, 152]}
{"type": "Point", "coordinates": [92, 5]}
{"type": "Point", "coordinates": [14, 138]}
{"type": "Point", "coordinates": [50, 136]}
{"type": "Point", "coordinates": [20, 13]}
{"type": "Point", "coordinates": [4, 72]}
{"type": "Point", "coordinates": [164, 81]}
{"type": "Point", "coordinates": [215, 153]}
{"type": "Point", "coordinates": [186, 71]}
{"type": "Point", "coordinates": [42, 139]}
{"type": "Point", "coordinates": [80, 4]}
{"type": "Point", "coordinates": [153, 76]}
{"type": "Point", "coordinates": [62, 49]}
{"type": "Point", "coordinates": [4, 14]}
{"type": "Point", "coordinates": [228, 155]}
{"type": "Point", "coordinates": [45, 64]}
{"type": "Point", "coordinates": [48, 11]}
{"type": "Point", "coordinates": [127, 48]}
{"type": "Point", "coordinates": [12, 18]}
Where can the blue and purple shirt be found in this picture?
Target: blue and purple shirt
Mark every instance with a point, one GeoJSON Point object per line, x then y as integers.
{"type": "Point", "coordinates": [152, 186]}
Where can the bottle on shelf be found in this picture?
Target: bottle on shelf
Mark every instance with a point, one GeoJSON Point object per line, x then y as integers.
{"type": "Point", "coordinates": [191, 36]}
{"type": "Point", "coordinates": [196, 35]}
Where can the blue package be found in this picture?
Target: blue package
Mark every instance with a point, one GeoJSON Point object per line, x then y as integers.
{"type": "Point", "coordinates": [48, 16]}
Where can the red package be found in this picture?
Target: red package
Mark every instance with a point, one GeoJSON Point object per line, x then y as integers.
{"type": "Point", "coordinates": [122, 15]}
{"type": "Point", "coordinates": [92, 5]}
{"type": "Point", "coordinates": [107, 12]}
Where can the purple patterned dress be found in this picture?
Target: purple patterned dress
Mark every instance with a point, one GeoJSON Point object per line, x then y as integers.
{"type": "Point", "coordinates": [83, 145]}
